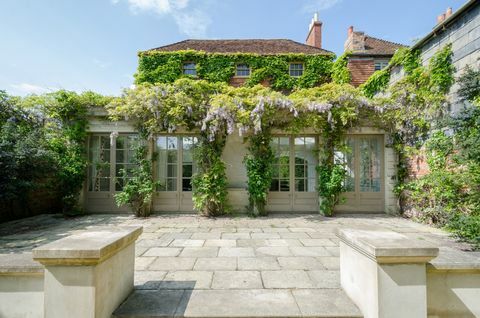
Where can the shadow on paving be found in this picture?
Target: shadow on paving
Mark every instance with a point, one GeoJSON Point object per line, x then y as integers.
{"type": "Point", "coordinates": [157, 303]}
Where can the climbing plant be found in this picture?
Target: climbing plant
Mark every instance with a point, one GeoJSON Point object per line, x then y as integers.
{"type": "Point", "coordinates": [340, 71]}
{"type": "Point", "coordinates": [166, 67]}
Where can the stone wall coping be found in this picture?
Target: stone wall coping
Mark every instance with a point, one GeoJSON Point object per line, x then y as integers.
{"type": "Point", "coordinates": [19, 264]}
{"type": "Point", "coordinates": [450, 259]}
{"type": "Point", "coordinates": [89, 247]}
{"type": "Point", "coordinates": [385, 246]}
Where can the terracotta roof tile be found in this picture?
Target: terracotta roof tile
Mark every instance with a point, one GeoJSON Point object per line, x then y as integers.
{"type": "Point", "coordinates": [375, 46]}
{"type": "Point", "coordinates": [258, 46]}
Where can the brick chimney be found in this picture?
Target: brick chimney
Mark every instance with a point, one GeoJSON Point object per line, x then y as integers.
{"type": "Point", "coordinates": [355, 41]}
{"type": "Point", "coordinates": [314, 37]}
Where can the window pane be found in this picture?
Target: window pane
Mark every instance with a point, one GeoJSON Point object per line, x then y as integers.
{"type": "Point", "coordinates": [300, 185]}
{"type": "Point", "coordinates": [284, 185]}
{"type": "Point", "coordinates": [370, 165]}
{"type": "Point", "coordinates": [167, 149]}
{"type": "Point", "coordinates": [99, 163]}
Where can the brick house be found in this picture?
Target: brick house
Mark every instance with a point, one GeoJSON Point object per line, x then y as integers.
{"type": "Point", "coordinates": [294, 188]}
{"type": "Point", "coordinates": [368, 54]}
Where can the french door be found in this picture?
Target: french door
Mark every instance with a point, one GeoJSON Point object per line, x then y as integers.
{"type": "Point", "coordinates": [173, 172]}
{"type": "Point", "coordinates": [365, 174]}
{"type": "Point", "coordinates": [293, 187]}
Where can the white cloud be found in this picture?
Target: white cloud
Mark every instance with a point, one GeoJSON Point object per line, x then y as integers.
{"type": "Point", "coordinates": [193, 22]}
{"type": "Point", "coordinates": [319, 5]}
{"type": "Point", "coordinates": [27, 88]}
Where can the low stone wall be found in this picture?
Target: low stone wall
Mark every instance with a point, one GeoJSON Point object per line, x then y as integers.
{"type": "Point", "coordinates": [85, 275]}
{"type": "Point", "coordinates": [453, 285]}
{"type": "Point", "coordinates": [21, 286]}
{"type": "Point", "coordinates": [387, 274]}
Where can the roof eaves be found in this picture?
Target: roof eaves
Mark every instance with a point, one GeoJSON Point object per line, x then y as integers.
{"type": "Point", "coordinates": [445, 24]}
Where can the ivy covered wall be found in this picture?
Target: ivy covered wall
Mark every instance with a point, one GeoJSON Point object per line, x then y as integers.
{"type": "Point", "coordinates": [166, 67]}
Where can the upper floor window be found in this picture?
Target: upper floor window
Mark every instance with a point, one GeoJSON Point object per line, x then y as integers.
{"type": "Point", "coordinates": [296, 69]}
{"type": "Point", "coordinates": [189, 68]}
{"type": "Point", "coordinates": [380, 64]}
{"type": "Point", "coordinates": [243, 70]}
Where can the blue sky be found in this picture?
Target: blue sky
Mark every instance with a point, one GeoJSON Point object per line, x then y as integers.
{"type": "Point", "coordinates": [92, 44]}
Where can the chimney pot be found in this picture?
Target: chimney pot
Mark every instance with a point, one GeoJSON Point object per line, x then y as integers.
{"type": "Point", "coordinates": [441, 18]}
{"type": "Point", "coordinates": [350, 30]}
{"type": "Point", "coordinates": [448, 13]}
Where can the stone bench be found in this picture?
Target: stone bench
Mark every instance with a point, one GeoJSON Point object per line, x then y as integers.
{"type": "Point", "coordinates": [384, 272]}
{"type": "Point", "coordinates": [453, 284]}
{"type": "Point", "coordinates": [88, 274]}
{"type": "Point", "coordinates": [21, 286]}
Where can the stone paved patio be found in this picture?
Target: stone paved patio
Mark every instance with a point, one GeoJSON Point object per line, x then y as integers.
{"type": "Point", "coordinates": [280, 266]}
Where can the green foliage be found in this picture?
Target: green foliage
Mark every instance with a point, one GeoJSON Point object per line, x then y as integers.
{"type": "Point", "coordinates": [466, 227]}
{"type": "Point", "coordinates": [166, 67]}
{"type": "Point", "coordinates": [210, 182]}
{"type": "Point", "coordinates": [259, 172]}
{"type": "Point", "coordinates": [449, 195]}
{"type": "Point", "coordinates": [469, 84]}
{"type": "Point", "coordinates": [376, 83]}
{"type": "Point", "coordinates": [340, 72]}
{"type": "Point", "coordinates": [330, 186]}
{"type": "Point", "coordinates": [441, 70]}
{"type": "Point", "coordinates": [404, 57]}
{"type": "Point", "coordinates": [25, 157]}
{"type": "Point", "coordinates": [139, 187]}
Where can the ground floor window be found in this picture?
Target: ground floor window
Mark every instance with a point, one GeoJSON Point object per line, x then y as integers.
{"type": "Point", "coordinates": [124, 159]}
{"type": "Point", "coordinates": [99, 163]}
{"type": "Point", "coordinates": [175, 166]}
{"type": "Point", "coordinates": [362, 160]}
{"type": "Point", "coordinates": [295, 163]}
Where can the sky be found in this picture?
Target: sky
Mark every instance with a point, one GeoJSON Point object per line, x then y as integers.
{"type": "Point", "coordinates": [81, 45]}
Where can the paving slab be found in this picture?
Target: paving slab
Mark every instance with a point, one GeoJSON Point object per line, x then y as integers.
{"type": "Point", "coordinates": [300, 262]}
{"type": "Point", "coordinates": [150, 303]}
{"type": "Point", "coordinates": [325, 303]}
{"type": "Point", "coordinates": [236, 252]}
{"type": "Point", "coordinates": [186, 280]}
{"type": "Point", "coordinates": [172, 263]}
{"type": "Point", "coordinates": [325, 278]}
{"type": "Point", "coordinates": [148, 279]}
{"type": "Point", "coordinates": [310, 251]}
{"type": "Point", "coordinates": [237, 280]}
{"type": "Point", "coordinates": [199, 252]}
{"type": "Point", "coordinates": [273, 251]}
{"type": "Point", "coordinates": [286, 279]}
{"type": "Point", "coordinates": [163, 251]}
{"type": "Point", "coordinates": [221, 243]}
{"type": "Point", "coordinates": [239, 303]}
{"type": "Point", "coordinates": [216, 263]}
{"type": "Point", "coordinates": [258, 263]}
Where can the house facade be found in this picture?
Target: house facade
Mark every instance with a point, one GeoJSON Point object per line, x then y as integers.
{"type": "Point", "coordinates": [371, 165]}
{"type": "Point", "coordinates": [461, 29]}
{"type": "Point", "coordinates": [367, 55]}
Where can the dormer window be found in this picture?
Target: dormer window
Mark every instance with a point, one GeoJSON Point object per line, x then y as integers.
{"type": "Point", "coordinates": [380, 64]}
{"type": "Point", "coordinates": [189, 68]}
{"type": "Point", "coordinates": [295, 69]}
{"type": "Point", "coordinates": [243, 70]}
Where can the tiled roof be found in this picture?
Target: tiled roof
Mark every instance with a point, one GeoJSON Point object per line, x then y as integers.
{"type": "Point", "coordinates": [375, 46]}
{"type": "Point", "coordinates": [258, 46]}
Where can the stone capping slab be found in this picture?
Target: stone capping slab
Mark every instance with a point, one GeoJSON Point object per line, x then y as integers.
{"type": "Point", "coordinates": [450, 259]}
{"type": "Point", "coordinates": [90, 247]}
{"type": "Point", "coordinates": [19, 264]}
{"type": "Point", "coordinates": [388, 247]}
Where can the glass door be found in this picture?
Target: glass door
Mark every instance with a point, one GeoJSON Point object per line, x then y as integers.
{"type": "Point", "coordinates": [363, 160]}
{"type": "Point", "coordinates": [293, 185]}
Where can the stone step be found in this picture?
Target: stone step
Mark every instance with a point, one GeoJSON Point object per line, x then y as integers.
{"type": "Point", "coordinates": [238, 303]}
